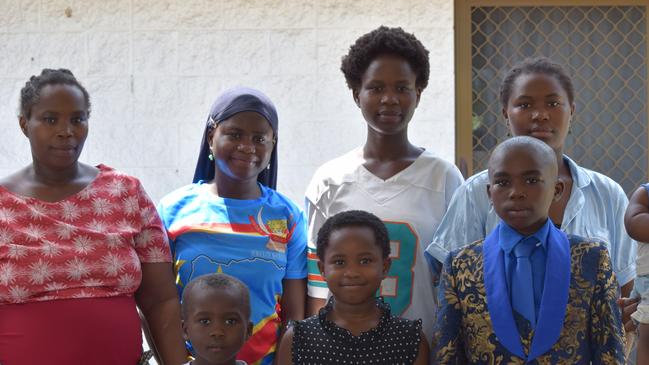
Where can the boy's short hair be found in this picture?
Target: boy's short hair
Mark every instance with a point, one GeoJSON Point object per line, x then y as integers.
{"type": "Point", "coordinates": [385, 41]}
{"type": "Point", "coordinates": [353, 218]}
{"type": "Point", "coordinates": [217, 281]}
{"type": "Point", "coordinates": [540, 149]}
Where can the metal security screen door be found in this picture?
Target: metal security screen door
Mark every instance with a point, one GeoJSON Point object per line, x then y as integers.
{"type": "Point", "coordinates": [602, 47]}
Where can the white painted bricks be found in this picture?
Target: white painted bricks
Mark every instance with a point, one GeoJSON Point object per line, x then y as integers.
{"type": "Point", "coordinates": [153, 68]}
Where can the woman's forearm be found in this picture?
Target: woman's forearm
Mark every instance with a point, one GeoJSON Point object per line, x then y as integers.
{"type": "Point", "coordinates": [158, 301]}
{"type": "Point", "coordinates": [163, 321]}
{"type": "Point", "coordinates": [293, 300]}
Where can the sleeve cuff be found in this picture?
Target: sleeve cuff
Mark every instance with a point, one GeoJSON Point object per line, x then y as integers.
{"type": "Point", "coordinates": [295, 275]}
{"type": "Point", "coordinates": [437, 251]}
{"type": "Point", "coordinates": [317, 292]}
{"type": "Point", "coordinates": [626, 275]}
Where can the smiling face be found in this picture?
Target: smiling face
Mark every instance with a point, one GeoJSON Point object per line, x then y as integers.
{"type": "Point", "coordinates": [57, 126]}
{"type": "Point", "coordinates": [216, 324]}
{"type": "Point", "coordinates": [522, 185]}
{"type": "Point", "coordinates": [388, 94]}
{"type": "Point", "coordinates": [353, 265]}
{"type": "Point", "coordinates": [539, 107]}
{"type": "Point", "coordinates": [242, 146]}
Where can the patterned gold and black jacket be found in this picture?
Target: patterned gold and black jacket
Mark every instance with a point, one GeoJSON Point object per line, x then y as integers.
{"type": "Point", "coordinates": [578, 323]}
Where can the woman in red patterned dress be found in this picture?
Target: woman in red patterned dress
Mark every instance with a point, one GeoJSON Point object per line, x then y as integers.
{"type": "Point", "coordinates": [80, 247]}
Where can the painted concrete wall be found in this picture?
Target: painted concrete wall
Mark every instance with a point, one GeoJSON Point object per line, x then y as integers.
{"type": "Point", "coordinates": [153, 68]}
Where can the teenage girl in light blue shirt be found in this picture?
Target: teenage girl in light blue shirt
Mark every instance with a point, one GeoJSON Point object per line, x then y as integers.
{"type": "Point", "coordinates": [538, 100]}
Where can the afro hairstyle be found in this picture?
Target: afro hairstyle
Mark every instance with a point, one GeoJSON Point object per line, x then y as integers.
{"type": "Point", "coordinates": [385, 41]}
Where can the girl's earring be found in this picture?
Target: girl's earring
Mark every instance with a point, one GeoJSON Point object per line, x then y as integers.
{"type": "Point", "coordinates": [210, 156]}
{"type": "Point", "coordinates": [508, 132]}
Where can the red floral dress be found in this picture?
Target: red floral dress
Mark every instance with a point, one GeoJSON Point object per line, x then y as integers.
{"type": "Point", "coordinates": [69, 269]}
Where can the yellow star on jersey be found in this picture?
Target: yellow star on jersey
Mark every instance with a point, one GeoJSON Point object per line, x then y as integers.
{"type": "Point", "coordinates": [177, 266]}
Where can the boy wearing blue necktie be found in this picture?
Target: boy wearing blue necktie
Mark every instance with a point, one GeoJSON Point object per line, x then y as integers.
{"type": "Point", "coordinates": [528, 293]}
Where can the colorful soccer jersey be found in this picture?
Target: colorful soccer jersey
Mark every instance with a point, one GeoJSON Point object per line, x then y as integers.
{"type": "Point", "coordinates": [410, 203]}
{"type": "Point", "coordinates": [260, 241]}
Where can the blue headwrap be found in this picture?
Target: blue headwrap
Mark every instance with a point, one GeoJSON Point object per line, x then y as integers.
{"type": "Point", "coordinates": [231, 102]}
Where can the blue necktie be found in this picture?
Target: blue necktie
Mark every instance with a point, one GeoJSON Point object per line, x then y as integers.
{"type": "Point", "coordinates": [522, 282]}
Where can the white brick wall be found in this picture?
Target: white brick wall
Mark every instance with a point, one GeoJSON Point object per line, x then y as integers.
{"type": "Point", "coordinates": [153, 68]}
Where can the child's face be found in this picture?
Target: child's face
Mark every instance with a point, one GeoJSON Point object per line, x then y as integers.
{"type": "Point", "coordinates": [353, 265]}
{"type": "Point", "coordinates": [242, 145]}
{"type": "Point", "coordinates": [58, 125]}
{"type": "Point", "coordinates": [539, 107]}
{"type": "Point", "coordinates": [522, 188]}
{"type": "Point", "coordinates": [388, 94]}
{"type": "Point", "coordinates": [216, 325]}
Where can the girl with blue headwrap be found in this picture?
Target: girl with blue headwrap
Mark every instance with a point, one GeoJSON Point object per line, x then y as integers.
{"type": "Point", "coordinates": [231, 219]}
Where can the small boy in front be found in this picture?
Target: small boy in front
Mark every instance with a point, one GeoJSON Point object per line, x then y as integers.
{"type": "Point", "coordinates": [528, 293]}
{"type": "Point", "coordinates": [216, 319]}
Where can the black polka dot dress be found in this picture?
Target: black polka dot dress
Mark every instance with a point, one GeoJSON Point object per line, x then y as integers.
{"type": "Point", "coordinates": [318, 341]}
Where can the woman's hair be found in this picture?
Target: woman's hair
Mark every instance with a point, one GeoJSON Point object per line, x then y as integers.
{"type": "Point", "coordinates": [537, 65]}
{"type": "Point", "coordinates": [385, 41]}
{"type": "Point", "coordinates": [353, 218]}
{"type": "Point", "coordinates": [30, 93]}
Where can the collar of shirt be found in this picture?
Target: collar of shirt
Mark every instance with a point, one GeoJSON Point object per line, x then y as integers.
{"type": "Point", "coordinates": [579, 177]}
{"type": "Point", "coordinates": [509, 237]}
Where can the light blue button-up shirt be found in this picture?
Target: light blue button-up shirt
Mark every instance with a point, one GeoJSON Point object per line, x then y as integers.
{"type": "Point", "coordinates": [595, 210]}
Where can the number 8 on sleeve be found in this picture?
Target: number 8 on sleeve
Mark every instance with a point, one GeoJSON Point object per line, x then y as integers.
{"type": "Point", "coordinates": [398, 286]}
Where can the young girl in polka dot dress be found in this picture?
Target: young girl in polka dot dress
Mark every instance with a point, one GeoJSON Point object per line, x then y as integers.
{"type": "Point", "coordinates": [354, 327]}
